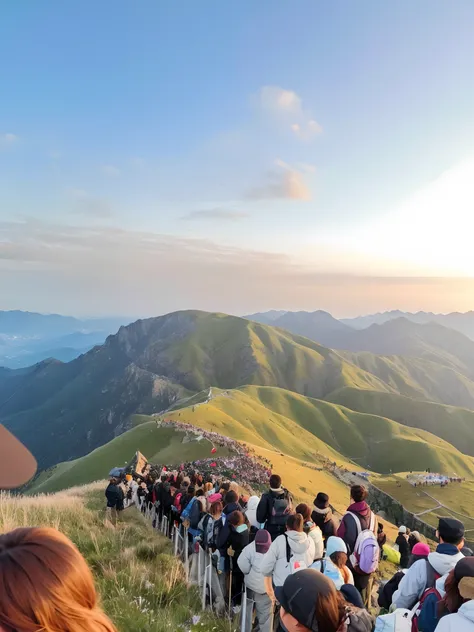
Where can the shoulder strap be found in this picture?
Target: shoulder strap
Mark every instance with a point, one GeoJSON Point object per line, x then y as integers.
{"type": "Point", "coordinates": [357, 521]}
{"type": "Point", "coordinates": [372, 522]}
{"type": "Point", "coordinates": [430, 575]}
{"type": "Point", "coordinates": [288, 548]}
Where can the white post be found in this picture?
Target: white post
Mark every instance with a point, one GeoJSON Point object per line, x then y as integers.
{"type": "Point", "coordinates": [176, 536]}
{"type": "Point", "coordinates": [186, 554]}
{"type": "Point", "coordinates": [199, 565]}
{"type": "Point", "coordinates": [243, 611]}
{"type": "Point", "coordinates": [210, 579]}
{"type": "Point", "coordinates": [204, 583]}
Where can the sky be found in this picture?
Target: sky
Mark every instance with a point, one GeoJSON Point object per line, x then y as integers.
{"type": "Point", "coordinates": [236, 156]}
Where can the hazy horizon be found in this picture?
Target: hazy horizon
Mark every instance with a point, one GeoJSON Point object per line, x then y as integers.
{"type": "Point", "coordinates": [237, 157]}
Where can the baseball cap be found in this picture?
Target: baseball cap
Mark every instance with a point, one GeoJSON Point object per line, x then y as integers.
{"type": "Point", "coordinates": [17, 464]}
{"type": "Point", "coordinates": [298, 595]}
{"type": "Point", "coordinates": [450, 529]}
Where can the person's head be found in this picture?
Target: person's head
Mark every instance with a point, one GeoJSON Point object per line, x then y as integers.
{"type": "Point", "coordinates": [200, 492]}
{"type": "Point", "coordinates": [321, 501]}
{"type": "Point", "coordinates": [231, 497]}
{"type": "Point", "coordinates": [304, 510]}
{"type": "Point", "coordinates": [234, 486]}
{"type": "Point", "coordinates": [191, 490]}
{"type": "Point", "coordinates": [113, 480]}
{"type": "Point", "coordinates": [415, 535]}
{"type": "Point", "coordinates": [419, 552]}
{"type": "Point", "coordinates": [225, 486]}
{"type": "Point", "coordinates": [236, 519]}
{"type": "Point", "coordinates": [216, 509]}
{"type": "Point", "coordinates": [207, 487]}
{"type": "Point", "coordinates": [451, 531]}
{"type": "Point", "coordinates": [57, 587]}
{"type": "Point", "coordinates": [128, 478]}
{"type": "Point", "coordinates": [275, 481]}
{"type": "Point", "coordinates": [380, 528]}
{"type": "Point", "coordinates": [295, 522]}
{"type": "Point", "coordinates": [402, 530]}
{"type": "Point", "coordinates": [358, 493]}
{"type": "Point", "coordinates": [263, 541]}
{"type": "Point", "coordinates": [336, 549]}
{"type": "Point", "coordinates": [459, 585]}
{"type": "Point", "coordinates": [312, 599]}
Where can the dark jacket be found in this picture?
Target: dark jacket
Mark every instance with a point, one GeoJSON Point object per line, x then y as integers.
{"type": "Point", "coordinates": [164, 497]}
{"type": "Point", "coordinates": [274, 524]}
{"type": "Point", "coordinates": [348, 528]}
{"type": "Point", "coordinates": [325, 521]}
{"type": "Point", "coordinates": [238, 541]}
{"type": "Point", "coordinates": [114, 495]}
{"type": "Point", "coordinates": [404, 549]}
{"type": "Point", "coordinates": [224, 529]}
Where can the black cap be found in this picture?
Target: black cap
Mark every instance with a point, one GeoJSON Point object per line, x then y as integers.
{"type": "Point", "coordinates": [299, 593]}
{"type": "Point", "coordinates": [321, 501]}
{"type": "Point", "coordinates": [450, 529]}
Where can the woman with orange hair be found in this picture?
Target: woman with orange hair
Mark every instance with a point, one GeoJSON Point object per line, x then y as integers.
{"type": "Point", "coordinates": [46, 585]}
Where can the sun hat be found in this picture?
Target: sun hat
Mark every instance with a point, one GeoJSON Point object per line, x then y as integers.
{"type": "Point", "coordinates": [17, 464]}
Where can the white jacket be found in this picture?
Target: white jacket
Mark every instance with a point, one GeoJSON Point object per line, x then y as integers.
{"type": "Point", "coordinates": [317, 537]}
{"type": "Point", "coordinates": [251, 511]}
{"type": "Point", "coordinates": [250, 563]}
{"type": "Point", "coordinates": [462, 621]}
{"type": "Point", "coordinates": [275, 563]}
{"type": "Point", "coordinates": [413, 584]}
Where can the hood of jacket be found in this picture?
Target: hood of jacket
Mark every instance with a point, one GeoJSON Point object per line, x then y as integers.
{"type": "Point", "coordinates": [467, 610]}
{"type": "Point", "coordinates": [298, 541]}
{"type": "Point", "coordinates": [228, 509]}
{"type": "Point", "coordinates": [445, 558]}
{"type": "Point", "coordinates": [251, 511]}
{"type": "Point", "coordinates": [253, 503]}
{"type": "Point", "coordinates": [325, 514]}
{"type": "Point", "coordinates": [361, 508]}
{"type": "Point", "coordinates": [332, 572]}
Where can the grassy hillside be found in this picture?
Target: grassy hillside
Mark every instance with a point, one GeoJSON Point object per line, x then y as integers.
{"type": "Point", "coordinates": [160, 445]}
{"type": "Point", "coordinates": [141, 584]}
{"type": "Point", "coordinates": [303, 428]}
{"type": "Point", "coordinates": [455, 425]}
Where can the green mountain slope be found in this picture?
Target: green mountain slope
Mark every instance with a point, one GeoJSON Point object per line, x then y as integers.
{"type": "Point", "coordinates": [455, 425]}
{"type": "Point", "coordinates": [303, 427]}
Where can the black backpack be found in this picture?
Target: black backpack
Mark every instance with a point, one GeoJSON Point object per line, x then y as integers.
{"type": "Point", "coordinates": [386, 591]}
{"type": "Point", "coordinates": [281, 509]}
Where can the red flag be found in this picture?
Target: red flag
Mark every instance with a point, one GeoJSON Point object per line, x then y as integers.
{"type": "Point", "coordinates": [213, 464]}
{"type": "Point", "coordinates": [214, 450]}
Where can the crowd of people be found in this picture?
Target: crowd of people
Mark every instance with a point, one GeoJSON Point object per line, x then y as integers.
{"type": "Point", "coordinates": [430, 480]}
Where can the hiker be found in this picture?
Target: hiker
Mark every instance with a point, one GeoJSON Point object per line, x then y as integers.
{"type": "Point", "coordinates": [57, 588]}
{"type": "Point", "coordinates": [222, 527]}
{"type": "Point", "coordinates": [322, 516]}
{"type": "Point", "coordinates": [250, 562]}
{"type": "Point", "coordinates": [334, 563]}
{"type": "Point", "coordinates": [274, 508]}
{"type": "Point", "coordinates": [403, 547]}
{"type": "Point", "coordinates": [381, 538]}
{"type": "Point", "coordinates": [291, 551]}
{"type": "Point", "coordinates": [115, 498]}
{"type": "Point", "coordinates": [358, 528]}
{"type": "Point", "coordinates": [458, 602]}
{"type": "Point", "coordinates": [312, 530]}
{"type": "Point", "coordinates": [207, 525]}
{"type": "Point", "coordinates": [237, 540]}
{"type": "Point", "coordinates": [310, 603]}
{"type": "Point", "coordinates": [423, 574]}
{"type": "Point", "coordinates": [413, 539]}
{"type": "Point", "coordinates": [386, 590]}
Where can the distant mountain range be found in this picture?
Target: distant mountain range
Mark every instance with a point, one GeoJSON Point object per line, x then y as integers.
{"type": "Point", "coordinates": [27, 338]}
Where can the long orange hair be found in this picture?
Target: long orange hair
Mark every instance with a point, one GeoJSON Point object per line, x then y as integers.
{"type": "Point", "coordinates": [46, 585]}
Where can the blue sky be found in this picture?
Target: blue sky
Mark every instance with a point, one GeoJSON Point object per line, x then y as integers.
{"type": "Point", "coordinates": [221, 141]}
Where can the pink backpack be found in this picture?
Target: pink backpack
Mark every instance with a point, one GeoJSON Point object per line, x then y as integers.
{"type": "Point", "coordinates": [365, 557]}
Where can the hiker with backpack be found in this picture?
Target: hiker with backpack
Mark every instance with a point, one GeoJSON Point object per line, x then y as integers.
{"type": "Point", "coordinates": [423, 574]}
{"type": "Point", "coordinates": [237, 540]}
{"type": "Point", "coordinates": [274, 508]}
{"type": "Point", "coordinates": [387, 589]}
{"type": "Point", "coordinates": [403, 546]}
{"type": "Point", "coordinates": [290, 552]}
{"type": "Point", "coordinates": [322, 516]}
{"type": "Point", "coordinates": [457, 608]}
{"type": "Point", "coordinates": [222, 527]}
{"type": "Point", "coordinates": [250, 562]}
{"type": "Point", "coordinates": [312, 530]}
{"type": "Point", "coordinates": [358, 530]}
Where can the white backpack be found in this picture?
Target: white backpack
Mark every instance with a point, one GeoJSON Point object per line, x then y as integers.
{"type": "Point", "coordinates": [366, 553]}
{"type": "Point", "coordinates": [398, 621]}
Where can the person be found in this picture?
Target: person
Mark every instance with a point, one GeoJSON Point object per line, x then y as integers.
{"type": "Point", "coordinates": [274, 508]}
{"type": "Point", "coordinates": [250, 562]}
{"type": "Point", "coordinates": [334, 564]}
{"type": "Point", "coordinates": [207, 525]}
{"type": "Point", "coordinates": [403, 547]}
{"type": "Point", "coordinates": [458, 602]}
{"type": "Point", "coordinates": [290, 550]}
{"type": "Point", "coordinates": [222, 526]}
{"type": "Point", "coordinates": [348, 531]}
{"type": "Point", "coordinates": [17, 464]}
{"type": "Point", "coordinates": [237, 540]}
{"type": "Point", "coordinates": [381, 537]}
{"type": "Point", "coordinates": [115, 497]}
{"type": "Point", "coordinates": [387, 589]}
{"type": "Point", "coordinates": [57, 588]}
{"type": "Point", "coordinates": [322, 516]}
{"type": "Point", "coordinates": [310, 603]}
{"type": "Point", "coordinates": [312, 530]}
{"type": "Point", "coordinates": [425, 574]}
{"type": "Point", "coordinates": [413, 539]}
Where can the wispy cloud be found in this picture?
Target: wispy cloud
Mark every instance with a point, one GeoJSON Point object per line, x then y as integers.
{"type": "Point", "coordinates": [8, 139]}
{"type": "Point", "coordinates": [283, 182]}
{"type": "Point", "coordinates": [286, 107]}
{"type": "Point", "coordinates": [110, 170]}
{"type": "Point", "coordinates": [219, 214]}
{"type": "Point", "coordinates": [90, 205]}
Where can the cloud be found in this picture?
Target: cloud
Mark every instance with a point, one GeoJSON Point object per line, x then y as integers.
{"type": "Point", "coordinates": [8, 139]}
{"type": "Point", "coordinates": [282, 183]}
{"type": "Point", "coordinates": [215, 214]}
{"type": "Point", "coordinates": [110, 170]}
{"type": "Point", "coordinates": [89, 205]}
{"type": "Point", "coordinates": [104, 270]}
{"type": "Point", "coordinates": [286, 108]}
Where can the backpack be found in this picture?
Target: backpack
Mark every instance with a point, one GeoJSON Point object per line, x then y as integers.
{"type": "Point", "coordinates": [177, 502]}
{"type": "Point", "coordinates": [426, 611]}
{"type": "Point", "coordinates": [297, 565]}
{"type": "Point", "coordinates": [186, 513]}
{"type": "Point", "coordinates": [366, 554]}
{"type": "Point", "coordinates": [398, 621]}
{"type": "Point", "coordinates": [281, 510]}
{"type": "Point", "coordinates": [387, 590]}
